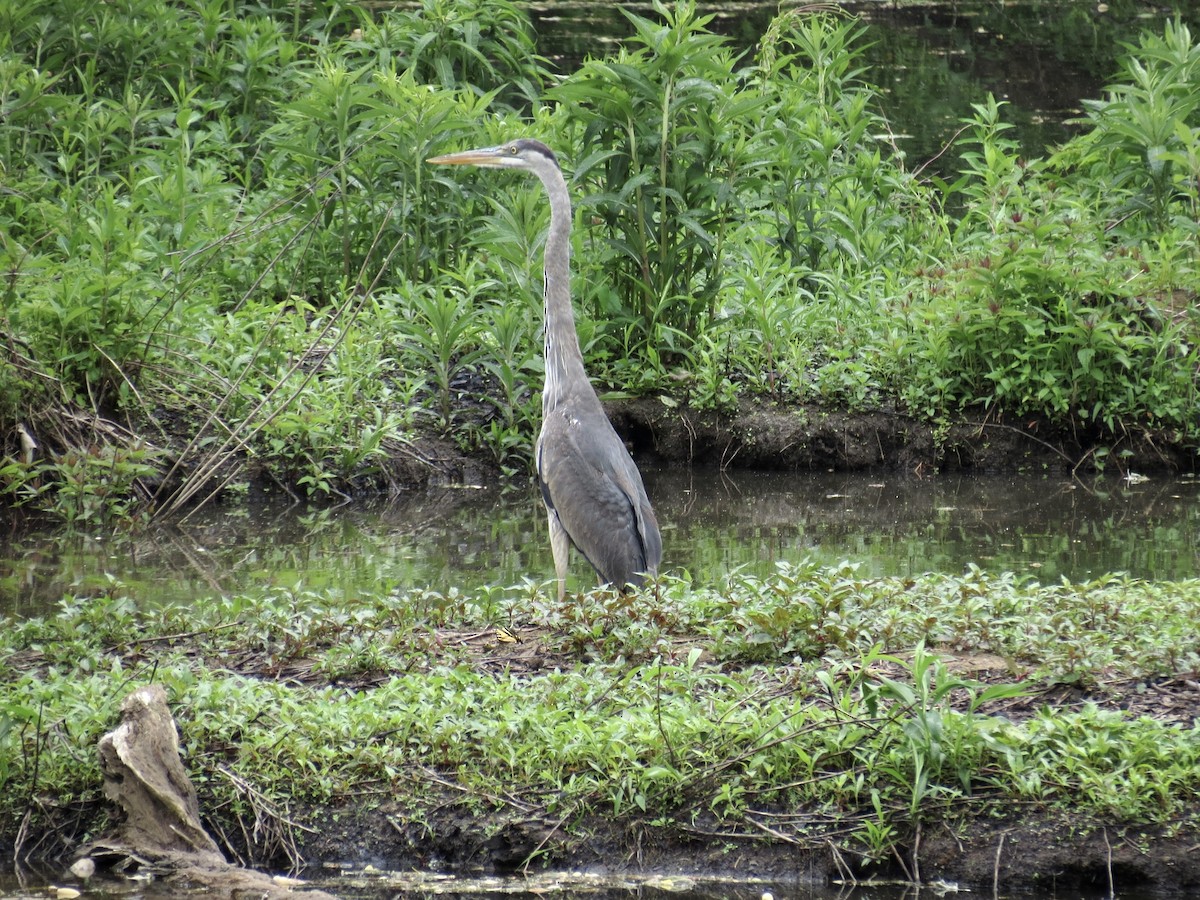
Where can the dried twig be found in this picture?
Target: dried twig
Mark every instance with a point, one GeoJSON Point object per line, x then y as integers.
{"type": "Point", "coordinates": [842, 866]}
{"type": "Point", "coordinates": [273, 828]}
{"type": "Point", "coordinates": [499, 800]}
{"type": "Point", "coordinates": [161, 638]}
{"type": "Point", "coordinates": [1112, 890]}
{"type": "Point", "coordinates": [773, 832]}
{"type": "Point", "coordinates": [996, 869]}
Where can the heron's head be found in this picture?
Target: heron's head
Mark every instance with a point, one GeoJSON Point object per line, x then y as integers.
{"type": "Point", "coordinates": [520, 154]}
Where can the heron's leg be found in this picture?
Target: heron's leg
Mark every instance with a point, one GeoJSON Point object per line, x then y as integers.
{"type": "Point", "coordinates": [560, 546]}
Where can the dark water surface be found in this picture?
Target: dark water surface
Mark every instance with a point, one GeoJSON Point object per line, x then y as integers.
{"type": "Point", "coordinates": [930, 60]}
{"type": "Point", "coordinates": [714, 523]}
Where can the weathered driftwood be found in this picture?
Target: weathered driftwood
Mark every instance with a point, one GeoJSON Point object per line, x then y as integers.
{"type": "Point", "coordinates": [160, 828]}
{"type": "Point", "coordinates": [145, 777]}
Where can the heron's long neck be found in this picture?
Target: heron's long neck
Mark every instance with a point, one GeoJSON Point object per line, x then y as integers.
{"type": "Point", "coordinates": [564, 361]}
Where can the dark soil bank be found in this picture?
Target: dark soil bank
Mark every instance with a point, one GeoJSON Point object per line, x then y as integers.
{"type": "Point", "coordinates": [1013, 854]}
{"type": "Point", "coordinates": [763, 435]}
{"type": "Point", "coordinates": [769, 436]}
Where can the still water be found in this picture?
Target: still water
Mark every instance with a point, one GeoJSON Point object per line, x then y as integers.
{"type": "Point", "coordinates": [567, 885]}
{"type": "Point", "coordinates": [375, 885]}
{"type": "Point", "coordinates": [930, 61]}
{"type": "Point", "coordinates": [714, 524]}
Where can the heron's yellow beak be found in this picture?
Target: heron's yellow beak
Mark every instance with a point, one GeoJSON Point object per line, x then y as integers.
{"type": "Point", "coordinates": [488, 156]}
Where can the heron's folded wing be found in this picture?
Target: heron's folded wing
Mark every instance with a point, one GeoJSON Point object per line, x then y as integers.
{"type": "Point", "coordinates": [589, 480]}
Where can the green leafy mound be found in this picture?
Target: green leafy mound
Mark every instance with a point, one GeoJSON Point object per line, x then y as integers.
{"type": "Point", "coordinates": [813, 697]}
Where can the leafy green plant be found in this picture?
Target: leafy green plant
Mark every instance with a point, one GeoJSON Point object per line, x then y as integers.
{"type": "Point", "coordinates": [442, 335]}
{"type": "Point", "coordinates": [824, 189]}
{"type": "Point", "coordinates": [1038, 319]}
{"type": "Point", "coordinates": [102, 484]}
{"type": "Point", "coordinates": [481, 46]}
{"type": "Point", "coordinates": [663, 187]}
{"type": "Point", "coordinates": [510, 358]}
{"type": "Point", "coordinates": [92, 315]}
{"type": "Point", "coordinates": [937, 742]}
{"type": "Point", "coordinates": [191, 198]}
{"type": "Point", "coordinates": [712, 367]}
{"type": "Point", "coordinates": [859, 743]}
{"type": "Point", "coordinates": [1148, 128]}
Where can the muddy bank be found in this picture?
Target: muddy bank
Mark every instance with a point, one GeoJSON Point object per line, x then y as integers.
{"type": "Point", "coordinates": [756, 434]}
{"type": "Point", "coordinates": [763, 435]}
{"type": "Point", "coordinates": [769, 436]}
{"type": "Point", "coordinates": [980, 853]}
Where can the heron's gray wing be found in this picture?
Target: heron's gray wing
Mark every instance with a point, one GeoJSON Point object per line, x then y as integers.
{"type": "Point", "coordinates": [590, 482]}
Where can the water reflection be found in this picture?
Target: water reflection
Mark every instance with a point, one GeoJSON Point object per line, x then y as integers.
{"type": "Point", "coordinates": [897, 525]}
{"type": "Point", "coordinates": [567, 886]}
{"type": "Point", "coordinates": [714, 523]}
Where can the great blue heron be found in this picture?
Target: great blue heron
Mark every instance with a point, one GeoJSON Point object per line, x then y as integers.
{"type": "Point", "coordinates": [593, 492]}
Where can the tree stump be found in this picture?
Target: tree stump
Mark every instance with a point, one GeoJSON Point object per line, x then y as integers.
{"type": "Point", "coordinates": [160, 830]}
{"type": "Point", "coordinates": [145, 777]}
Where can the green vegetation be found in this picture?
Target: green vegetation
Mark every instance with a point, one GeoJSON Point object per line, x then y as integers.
{"type": "Point", "coordinates": [222, 253]}
{"type": "Point", "coordinates": [217, 233]}
{"type": "Point", "coordinates": [812, 699]}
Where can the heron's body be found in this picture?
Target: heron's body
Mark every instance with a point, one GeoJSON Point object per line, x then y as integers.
{"type": "Point", "coordinates": [593, 492]}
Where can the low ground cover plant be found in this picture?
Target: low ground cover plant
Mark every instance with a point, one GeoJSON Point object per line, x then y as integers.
{"type": "Point", "coordinates": [826, 703]}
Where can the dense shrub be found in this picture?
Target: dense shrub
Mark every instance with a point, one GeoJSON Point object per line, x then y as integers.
{"type": "Point", "coordinates": [221, 215]}
{"type": "Point", "coordinates": [1050, 306]}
